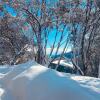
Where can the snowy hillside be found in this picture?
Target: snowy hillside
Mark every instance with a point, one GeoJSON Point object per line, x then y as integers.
{"type": "Point", "coordinates": [31, 81]}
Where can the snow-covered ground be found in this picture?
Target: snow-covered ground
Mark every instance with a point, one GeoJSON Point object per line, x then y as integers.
{"type": "Point", "coordinates": [31, 81]}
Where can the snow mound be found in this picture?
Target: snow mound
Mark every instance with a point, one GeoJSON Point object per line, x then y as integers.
{"type": "Point", "coordinates": [31, 81]}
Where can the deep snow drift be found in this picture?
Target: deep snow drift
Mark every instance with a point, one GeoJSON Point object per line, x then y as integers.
{"type": "Point", "coordinates": [31, 81]}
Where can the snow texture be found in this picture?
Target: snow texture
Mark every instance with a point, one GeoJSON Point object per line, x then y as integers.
{"type": "Point", "coordinates": [31, 81]}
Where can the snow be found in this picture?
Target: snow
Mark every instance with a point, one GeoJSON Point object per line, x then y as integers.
{"type": "Point", "coordinates": [5, 69]}
{"type": "Point", "coordinates": [31, 81]}
{"type": "Point", "coordinates": [63, 63]}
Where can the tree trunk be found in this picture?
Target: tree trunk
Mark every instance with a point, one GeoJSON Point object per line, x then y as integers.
{"type": "Point", "coordinates": [99, 70]}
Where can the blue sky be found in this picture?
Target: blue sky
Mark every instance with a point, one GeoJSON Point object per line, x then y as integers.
{"type": "Point", "coordinates": [10, 10]}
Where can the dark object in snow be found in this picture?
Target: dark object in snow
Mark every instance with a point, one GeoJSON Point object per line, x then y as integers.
{"type": "Point", "coordinates": [63, 66]}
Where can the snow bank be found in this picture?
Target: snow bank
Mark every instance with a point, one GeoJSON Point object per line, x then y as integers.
{"type": "Point", "coordinates": [4, 69]}
{"type": "Point", "coordinates": [31, 81]}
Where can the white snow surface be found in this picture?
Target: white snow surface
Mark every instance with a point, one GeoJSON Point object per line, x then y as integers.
{"type": "Point", "coordinates": [31, 81]}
